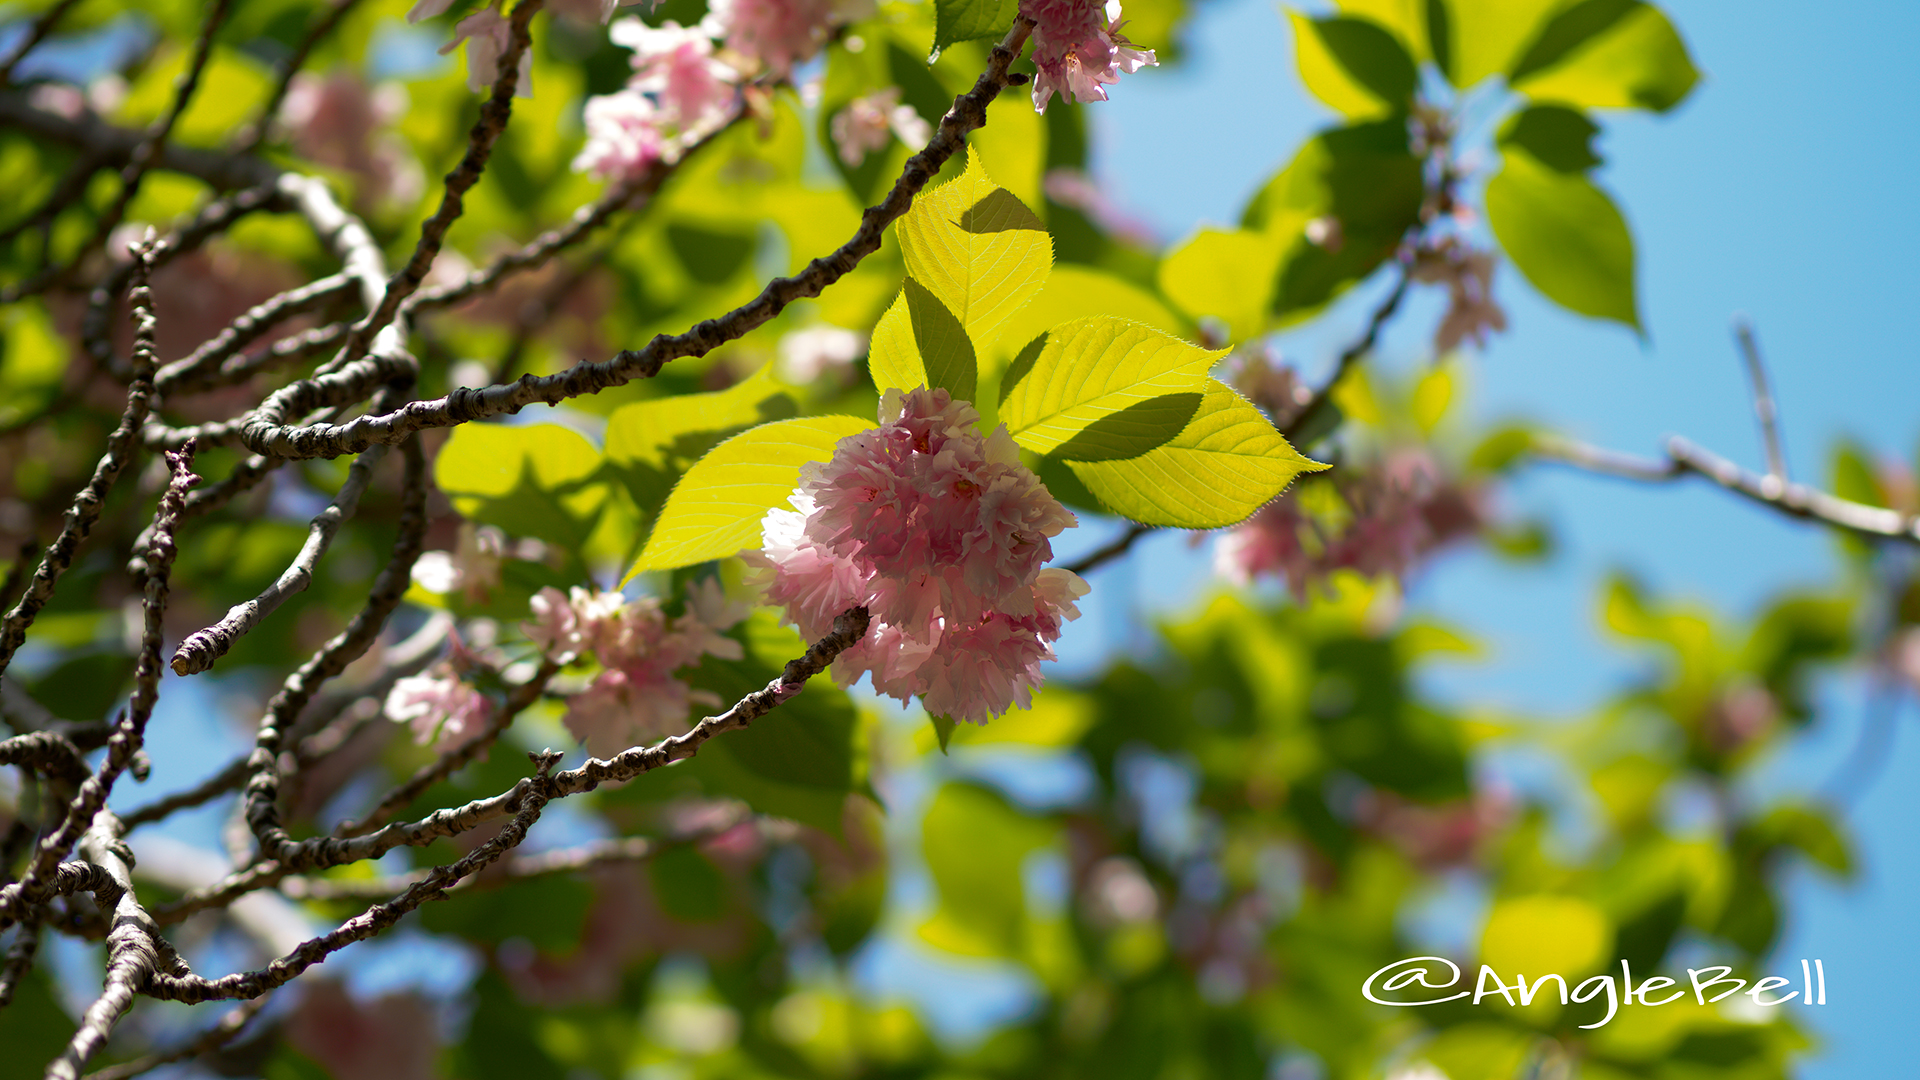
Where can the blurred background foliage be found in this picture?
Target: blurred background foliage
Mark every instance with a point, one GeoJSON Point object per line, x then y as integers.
{"type": "Point", "coordinates": [1248, 811]}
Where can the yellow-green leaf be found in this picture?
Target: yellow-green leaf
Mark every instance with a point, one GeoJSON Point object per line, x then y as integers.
{"type": "Point", "coordinates": [1608, 54]}
{"type": "Point", "coordinates": [715, 510]}
{"type": "Point", "coordinates": [1075, 292]}
{"type": "Point", "coordinates": [1541, 935]}
{"type": "Point", "coordinates": [976, 247]}
{"type": "Point", "coordinates": [650, 443]}
{"type": "Point", "coordinates": [1226, 275]}
{"type": "Point", "coordinates": [918, 342]}
{"type": "Point", "coordinates": [1353, 65]}
{"type": "Point", "coordinates": [1566, 236]}
{"type": "Point", "coordinates": [1487, 35]}
{"type": "Point", "coordinates": [1094, 368]}
{"type": "Point", "coordinates": [528, 479]}
{"type": "Point", "coordinates": [1227, 463]}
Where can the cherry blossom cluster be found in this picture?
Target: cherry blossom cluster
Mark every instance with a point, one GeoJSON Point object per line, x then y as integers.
{"type": "Point", "coordinates": [442, 702]}
{"type": "Point", "coordinates": [1468, 277]}
{"type": "Point", "coordinates": [1079, 49]}
{"type": "Point", "coordinates": [1398, 511]}
{"type": "Point", "coordinates": [943, 535]}
{"type": "Point", "coordinates": [870, 121]}
{"type": "Point", "coordinates": [687, 80]}
{"type": "Point", "coordinates": [636, 696]}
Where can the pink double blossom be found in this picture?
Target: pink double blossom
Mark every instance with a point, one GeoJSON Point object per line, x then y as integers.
{"type": "Point", "coordinates": [780, 34]}
{"type": "Point", "coordinates": [870, 121]}
{"type": "Point", "coordinates": [943, 535]}
{"type": "Point", "coordinates": [1079, 49]}
{"type": "Point", "coordinates": [488, 36]}
{"type": "Point", "coordinates": [680, 93]}
{"type": "Point", "coordinates": [439, 703]}
{"type": "Point", "coordinates": [1399, 511]}
{"type": "Point", "coordinates": [637, 696]}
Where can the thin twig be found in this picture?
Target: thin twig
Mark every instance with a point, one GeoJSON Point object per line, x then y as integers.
{"type": "Point", "coordinates": [1307, 421]}
{"type": "Point", "coordinates": [310, 731]}
{"type": "Point", "coordinates": [220, 1034]}
{"type": "Point", "coordinates": [144, 157]}
{"type": "Point", "coordinates": [198, 369]}
{"type": "Point", "coordinates": [249, 984]}
{"type": "Point", "coordinates": [494, 115]}
{"type": "Point", "coordinates": [455, 759]}
{"type": "Point", "coordinates": [201, 648]}
{"type": "Point", "coordinates": [1763, 403]}
{"type": "Point", "coordinates": [37, 33]}
{"type": "Point", "coordinates": [267, 431]}
{"type": "Point", "coordinates": [1793, 500]}
{"type": "Point", "coordinates": [125, 743]}
{"type": "Point", "coordinates": [571, 860]}
{"type": "Point", "coordinates": [263, 784]}
{"type": "Point", "coordinates": [92, 499]}
{"type": "Point", "coordinates": [535, 255]}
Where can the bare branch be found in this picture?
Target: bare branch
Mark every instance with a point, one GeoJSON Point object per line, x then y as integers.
{"type": "Point", "coordinates": [1763, 404]}
{"type": "Point", "coordinates": [201, 369]}
{"type": "Point", "coordinates": [1793, 500]}
{"type": "Point", "coordinates": [46, 752]}
{"type": "Point", "coordinates": [37, 33]}
{"type": "Point", "coordinates": [201, 648]}
{"type": "Point", "coordinates": [144, 157]}
{"type": "Point", "coordinates": [494, 114]}
{"type": "Point", "coordinates": [92, 499]}
{"type": "Point", "coordinates": [406, 658]}
{"type": "Point", "coordinates": [263, 785]}
{"type": "Point", "coordinates": [267, 431]}
{"type": "Point", "coordinates": [535, 255]}
{"type": "Point", "coordinates": [26, 942]}
{"type": "Point", "coordinates": [215, 1037]}
{"type": "Point", "coordinates": [125, 743]}
{"type": "Point", "coordinates": [250, 984]}
{"type": "Point", "coordinates": [454, 759]}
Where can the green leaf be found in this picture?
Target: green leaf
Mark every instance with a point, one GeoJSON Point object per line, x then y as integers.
{"type": "Point", "coordinates": [1094, 368]}
{"type": "Point", "coordinates": [528, 479]}
{"type": "Point", "coordinates": [1227, 275]}
{"type": "Point", "coordinates": [976, 247]}
{"type": "Point", "coordinates": [715, 510]}
{"type": "Point", "coordinates": [1227, 463]}
{"type": "Point", "coordinates": [918, 342]}
{"type": "Point", "coordinates": [1557, 136]}
{"type": "Point", "coordinates": [1362, 176]}
{"type": "Point", "coordinates": [942, 730]}
{"type": "Point", "coordinates": [1486, 36]}
{"type": "Point", "coordinates": [1406, 19]}
{"type": "Point", "coordinates": [1607, 54]}
{"type": "Point", "coordinates": [970, 20]}
{"type": "Point", "coordinates": [33, 358]}
{"type": "Point", "coordinates": [1133, 430]}
{"type": "Point", "coordinates": [1566, 236]}
{"type": "Point", "coordinates": [1075, 292]}
{"type": "Point", "coordinates": [1353, 65]}
{"type": "Point", "coordinates": [650, 443]}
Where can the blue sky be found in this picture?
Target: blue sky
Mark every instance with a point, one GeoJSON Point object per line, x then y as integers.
{"type": "Point", "coordinates": [1780, 189]}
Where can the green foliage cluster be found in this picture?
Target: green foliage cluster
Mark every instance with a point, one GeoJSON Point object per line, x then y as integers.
{"type": "Point", "coordinates": [1272, 794]}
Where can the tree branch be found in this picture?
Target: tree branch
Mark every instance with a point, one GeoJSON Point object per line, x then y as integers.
{"type": "Point", "coordinates": [267, 431]}
{"type": "Point", "coordinates": [1793, 500]}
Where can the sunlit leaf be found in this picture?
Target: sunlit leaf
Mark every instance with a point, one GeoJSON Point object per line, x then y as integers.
{"type": "Point", "coordinates": [1607, 54]}
{"type": "Point", "coordinates": [918, 342]}
{"type": "Point", "coordinates": [1353, 65]}
{"type": "Point", "coordinates": [1566, 236]}
{"type": "Point", "coordinates": [968, 20]}
{"type": "Point", "coordinates": [650, 443]}
{"type": "Point", "coordinates": [529, 479]}
{"type": "Point", "coordinates": [977, 248]}
{"type": "Point", "coordinates": [1485, 37]}
{"type": "Point", "coordinates": [715, 510]}
{"type": "Point", "coordinates": [1228, 462]}
{"type": "Point", "coordinates": [1540, 935]}
{"type": "Point", "coordinates": [1094, 368]}
{"type": "Point", "coordinates": [1227, 275]}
